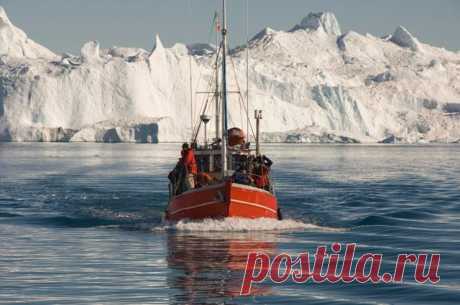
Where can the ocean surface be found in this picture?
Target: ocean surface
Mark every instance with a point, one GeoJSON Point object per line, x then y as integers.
{"type": "Point", "coordinates": [82, 224]}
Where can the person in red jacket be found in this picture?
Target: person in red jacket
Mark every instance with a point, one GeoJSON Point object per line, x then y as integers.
{"type": "Point", "coordinates": [262, 172]}
{"type": "Point", "coordinates": [189, 162]}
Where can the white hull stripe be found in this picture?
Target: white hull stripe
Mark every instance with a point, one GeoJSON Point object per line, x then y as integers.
{"type": "Point", "coordinates": [216, 202]}
{"type": "Point", "coordinates": [196, 206]}
{"type": "Point", "coordinates": [221, 185]}
{"type": "Point", "coordinates": [254, 205]}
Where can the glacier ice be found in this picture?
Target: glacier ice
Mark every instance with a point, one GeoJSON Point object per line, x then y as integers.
{"type": "Point", "coordinates": [405, 39]}
{"type": "Point", "coordinates": [15, 43]}
{"type": "Point", "coordinates": [90, 52]}
{"type": "Point", "coordinates": [314, 84]}
{"type": "Point", "coordinates": [326, 22]}
{"type": "Point", "coordinates": [133, 130]}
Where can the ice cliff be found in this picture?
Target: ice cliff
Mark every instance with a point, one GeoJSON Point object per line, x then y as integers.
{"type": "Point", "coordinates": [314, 83]}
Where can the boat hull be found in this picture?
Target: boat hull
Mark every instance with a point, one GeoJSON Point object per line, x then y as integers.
{"type": "Point", "coordinates": [227, 199]}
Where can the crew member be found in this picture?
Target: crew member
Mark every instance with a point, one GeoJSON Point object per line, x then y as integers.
{"type": "Point", "coordinates": [176, 177]}
{"type": "Point", "coordinates": [189, 162]}
{"type": "Point", "coordinates": [262, 172]}
{"type": "Point", "coordinates": [241, 176]}
{"type": "Point", "coordinates": [204, 179]}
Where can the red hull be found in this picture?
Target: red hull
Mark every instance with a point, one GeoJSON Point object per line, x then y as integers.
{"type": "Point", "coordinates": [223, 200]}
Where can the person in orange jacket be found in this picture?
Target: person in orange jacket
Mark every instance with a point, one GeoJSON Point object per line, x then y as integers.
{"type": "Point", "coordinates": [189, 162]}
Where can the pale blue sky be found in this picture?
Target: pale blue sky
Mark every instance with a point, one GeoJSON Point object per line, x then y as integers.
{"type": "Point", "coordinates": [64, 25]}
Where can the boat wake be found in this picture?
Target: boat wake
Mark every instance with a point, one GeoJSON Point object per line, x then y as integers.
{"type": "Point", "coordinates": [243, 225]}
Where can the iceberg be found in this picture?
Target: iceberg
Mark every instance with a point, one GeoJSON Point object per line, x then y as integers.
{"type": "Point", "coordinates": [351, 87]}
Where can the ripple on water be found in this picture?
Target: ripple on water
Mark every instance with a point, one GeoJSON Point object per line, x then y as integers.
{"type": "Point", "coordinates": [92, 214]}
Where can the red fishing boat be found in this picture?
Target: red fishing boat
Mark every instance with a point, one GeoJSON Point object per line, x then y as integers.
{"type": "Point", "coordinates": [226, 199]}
{"type": "Point", "coordinates": [224, 178]}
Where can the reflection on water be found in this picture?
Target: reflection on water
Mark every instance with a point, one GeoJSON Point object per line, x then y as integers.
{"type": "Point", "coordinates": [207, 267]}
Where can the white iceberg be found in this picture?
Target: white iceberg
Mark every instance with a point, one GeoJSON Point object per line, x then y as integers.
{"type": "Point", "coordinates": [351, 87]}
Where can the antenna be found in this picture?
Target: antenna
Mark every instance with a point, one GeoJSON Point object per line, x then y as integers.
{"type": "Point", "coordinates": [258, 117]}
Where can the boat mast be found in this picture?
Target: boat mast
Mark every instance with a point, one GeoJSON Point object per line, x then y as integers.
{"type": "Point", "coordinates": [247, 69]}
{"type": "Point", "coordinates": [191, 94]}
{"type": "Point", "coordinates": [190, 81]}
{"type": "Point", "coordinates": [216, 94]}
{"type": "Point", "coordinates": [225, 166]}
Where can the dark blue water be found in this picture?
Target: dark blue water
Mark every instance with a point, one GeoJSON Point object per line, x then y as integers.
{"type": "Point", "coordinates": [81, 224]}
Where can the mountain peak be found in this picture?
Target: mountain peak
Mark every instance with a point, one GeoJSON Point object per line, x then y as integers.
{"type": "Point", "coordinates": [325, 21]}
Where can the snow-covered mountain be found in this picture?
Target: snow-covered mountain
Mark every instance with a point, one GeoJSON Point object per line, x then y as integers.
{"type": "Point", "coordinates": [314, 83]}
